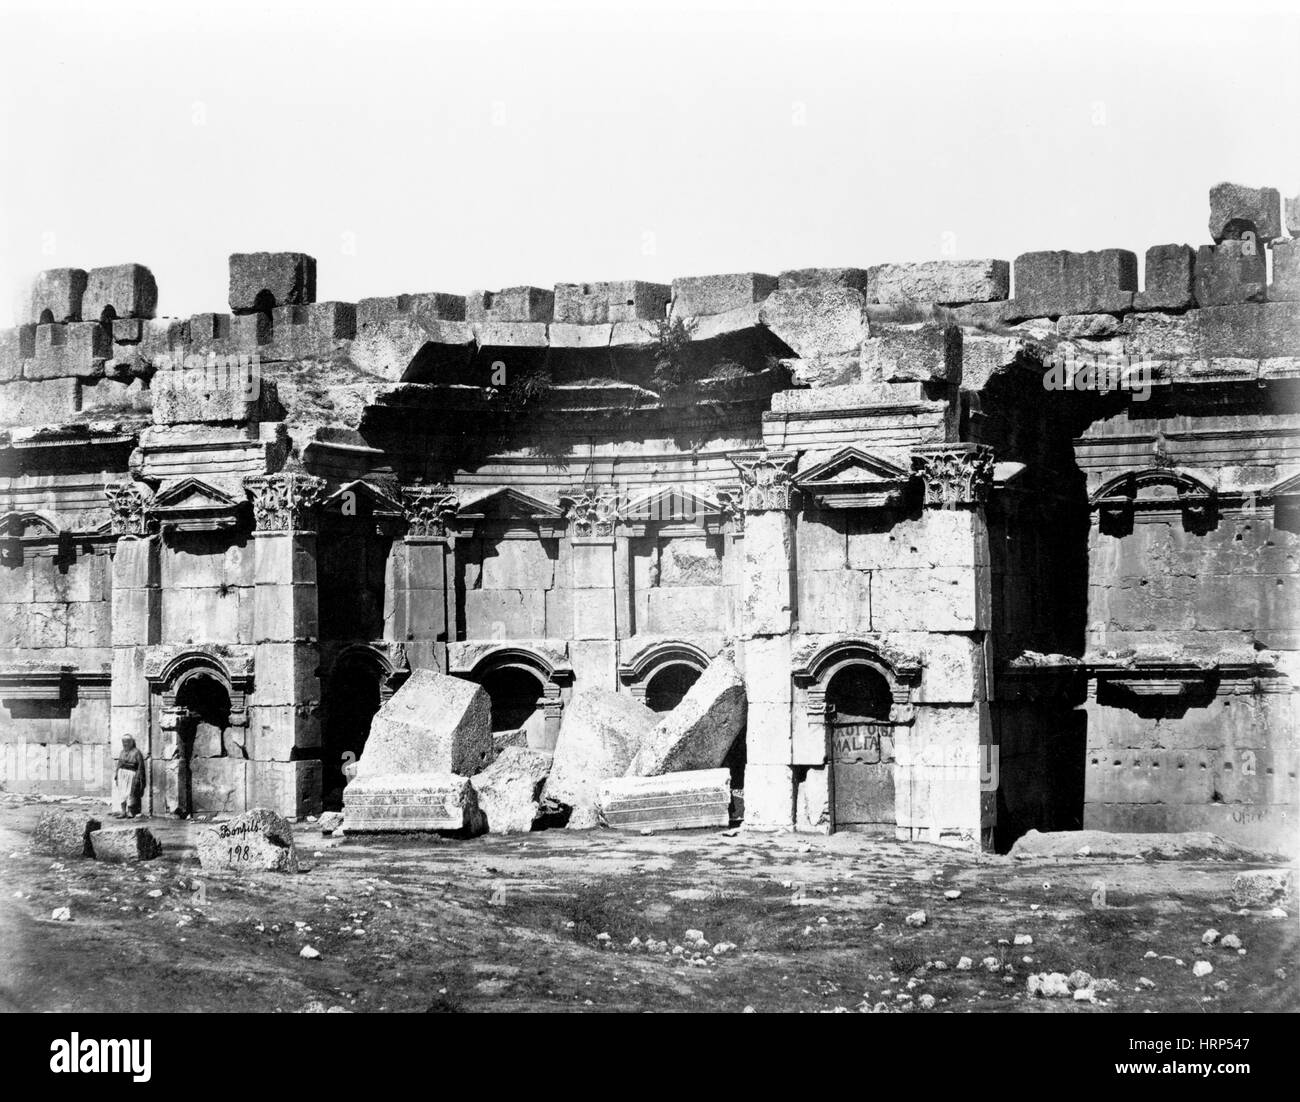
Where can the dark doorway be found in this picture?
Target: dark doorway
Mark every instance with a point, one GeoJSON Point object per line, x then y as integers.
{"type": "Point", "coordinates": [666, 688]}
{"type": "Point", "coordinates": [862, 749]}
{"type": "Point", "coordinates": [203, 707]}
{"type": "Point", "coordinates": [350, 705]}
{"type": "Point", "coordinates": [514, 694]}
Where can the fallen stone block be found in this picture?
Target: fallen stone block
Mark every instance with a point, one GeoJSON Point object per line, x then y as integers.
{"type": "Point", "coordinates": [1236, 209]}
{"type": "Point", "coordinates": [64, 833]}
{"type": "Point", "coordinates": [918, 353]}
{"type": "Point", "coordinates": [943, 282]}
{"type": "Point", "coordinates": [257, 841]}
{"type": "Point", "coordinates": [57, 295]}
{"type": "Point", "coordinates": [508, 790]}
{"type": "Point", "coordinates": [330, 821]}
{"type": "Point", "coordinates": [696, 296]}
{"type": "Point", "coordinates": [1262, 887]}
{"type": "Point", "coordinates": [122, 845]}
{"type": "Point", "coordinates": [122, 291]}
{"type": "Point", "coordinates": [1169, 279]}
{"type": "Point", "coordinates": [411, 802]}
{"type": "Point", "coordinates": [1230, 273]}
{"type": "Point", "coordinates": [1049, 284]}
{"type": "Point", "coordinates": [599, 735]}
{"type": "Point", "coordinates": [700, 731]}
{"type": "Point", "coordinates": [432, 724]}
{"type": "Point", "coordinates": [261, 281]}
{"type": "Point", "coordinates": [677, 801]}
{"type": "Point", "coordinates": [817, 320]}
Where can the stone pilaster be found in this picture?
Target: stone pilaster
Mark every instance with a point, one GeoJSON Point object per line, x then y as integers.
{"type": "Point", "coordinates": [422, 577]}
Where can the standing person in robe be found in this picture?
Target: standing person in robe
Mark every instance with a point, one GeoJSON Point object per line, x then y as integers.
{"type": "Point", "coordinates": [128, 781]}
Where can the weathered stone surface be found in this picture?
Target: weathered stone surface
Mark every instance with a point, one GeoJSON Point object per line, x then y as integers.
{"type": "Point", "coordinates": [1049, 284]}
{"type": "Point", "coordinates": [816, 320]}
{"type": "Point", "coordinates": [1235, 209]}
{"type": "Point", "coordinates": [1230, 273]}
{"type": "Point", "coordinates": [620, 300]}
{"type": "Point", "coordinates": [699, 732]}
{"type": "Point", "coordinates": [695, 296]}
{"type": "Point", "coordinates": [432, 724]}
{"type": "Point", "coordinates": [945, 282]}
{"type": "Point", "coordinates": [122, 291]}
{"type": "Point", "coordinates": [511, 304]}
{"type": "Point", "coordinates": [1286, 272]}
{"type": "Point", "coordinates": [64, 833]}
{"type": "Point", "coordinates": [262, 281]}
{"type": "Point", "coordinates": [923, 352]}
{"type": "Point", "coordinates": [794, 278]}
{"type": "Point", "coordinates": [819, 371]}
{"type": "Point", "coordinates": [121, 845]}
{"type": "Point", "coordinates": [77, 348]}
{"type": "Point", "coordinates": [1293, 215]}
{"type": "Point", "coordinates": [599, 734]}
{"type": "Point", "coordinates": [1087, 326]}
{"type": "Point", "coordinates": [57, 295]}
{"type": "Point", "coordinates": [679, 801]}
{"type": "Point", "coordinates": [1101, 843]}
{"type": "Point", "coordinates": [253, 841]}
{"type": "Point", "coordinates": [509, 789]}
{"type": "Point", "coordinates": [330, 821]}
{"type": "Point", "coordinates": [47, 402]}
{"type": "Point", "coordinates": [219, 396]}
{"type": "Point", "coordinates": [414, 802]}
{"type": "Point", "coordinates": [1169, 279]}
{"type": "Point", "coordinates": [1263, 887]}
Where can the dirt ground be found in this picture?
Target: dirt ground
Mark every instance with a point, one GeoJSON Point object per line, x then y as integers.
{"type": "Point", "coordinates": [515, 923]}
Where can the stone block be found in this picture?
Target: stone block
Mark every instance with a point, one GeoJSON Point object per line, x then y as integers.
{"type": "Point", "coordinates": [594, 614]}
{"type": "Point", "coordinates": [1169, 279]}
{"type": "Point", "coordinates": [123, 845]}
{"type": "Point", "coordinates": [593, 565]}
{"type": "Point", "coordinates": [1049, 284]}
{"type": "Point", "coordinates": [121, 291]}
{"type": "Point", "coordinates": [1230, 273]}
{"type": "Point", "coordinates": [1293, 215]}
{"type": "Point", "coordinates": [620, 300]}
{"type": "Point", "coordinates": [510, 334]}
{"type": "Point", "coordinates": [259, 282]}
{"type": "Point", "coordinates": [511, 304]}
{"type": "Point", "coordinates": [564, 335]}
{"type": "Point", "coordinates": [815, 321]}
{"type": "Point", "coordinates": [506, 613]}
{"type": "Point", "coordinates": [769, 797]}
{"type": "Point", "coordinates": [512, 564]}
{"type": "Point", "coordinates": [213, 397]}
{"type": "Point", "coordinates": [943, 282]}
{"type": "Point", "coordinates": [77, 348]}
{"type": "Point", "coordinates": [941, 598]}
{"type": "Point", "coordinates": [1236, 209]}
{"type": "Point", "coordinates": [253, 841]}
{"type": "Point", "coordinates": [61, 833]}
{"type": "Point", "coordinates": [417, 802]}
{"type": "Point", "coordinates": [834, 601]}
{"type": "Point", "coordinates": [1263, 888]}
{"type": "Point", "coordinates": [689, 561]}
{"type": "Point", "coordinates": [373, 314]}
{"type": "Point", "coordinates": [699, 732]}
{"type": "Point", "coordinates": [509, 790]}
{"type": "Point", "coordinates": [56, 295]}
{"type": "Point", "coordinates": [16, 346]}
{"type": "Point", "coordinates": [912, 353]}
{"type": "Point", "coordinates": [695, 296]}
{"type": "Point", "coordinates": [794, 278]}
{"type": "Point", "coordinates": [600, 733]}
{"type": "Point", "coordinates": [812, 801]}
{"type": "Point", "coordinates": [679, 801]}
{"type": "Point", "coordinates": [1286, 272]}
{"type": "Point", "coordinates": [434, 724]}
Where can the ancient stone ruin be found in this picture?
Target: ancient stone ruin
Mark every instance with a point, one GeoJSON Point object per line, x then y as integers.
{"type": "Point", "coordinates": [957, 549]}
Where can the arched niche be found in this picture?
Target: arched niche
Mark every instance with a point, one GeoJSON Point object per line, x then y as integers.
{"type": "Point", "coordinates": [815, 666]}
{"type": "Point", "coordinates": [525, 685]}
{"type": "Point", "coordinates": [662, 670]}
{"type": "Point", "coordinates": [359, 682]}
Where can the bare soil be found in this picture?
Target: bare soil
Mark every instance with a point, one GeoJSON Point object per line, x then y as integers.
{"type": "Point", "coordinates": [512, 923]}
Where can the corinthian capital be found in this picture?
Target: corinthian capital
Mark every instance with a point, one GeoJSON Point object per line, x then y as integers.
{"type": "Point", "coordinates": [128, 509]}
{"type": "Point", "coordinates": [765, 479]}
{"type": "Point", "coordinates": [954, 474]}
{"type": "Point", "coordinates": [284, 502]}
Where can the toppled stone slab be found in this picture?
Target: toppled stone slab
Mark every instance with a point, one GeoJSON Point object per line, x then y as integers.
{"type": "Point", "coordinates": [1049, 284]}
{"type": "Point", "coordinates": [696, 296]}
{"type": "Point", "coordinates": [255, 841]}
{"type": "Point", "coordinates": [1169, 279]}
{"type": "Point", "coordinates": [401, 802]}
{"type": "Point", "coordinates": [432, 724]}
{"type": "Point", "coordinates": [699, 732]}
{"type": "Point", "coordinates": [123, 845]}
{"type": "Point", "coordinates": [1236, 209]}
{"type": "Point", "coordinates": [943, 282]}
{"type": "Point", "coordinates": [677, 801]}
{"type": "Point", "coordinates": [599, 735]}
{"type": "Point", "coordinates": [817, 320]}
{"type": "Point", "coordinates": [1230, 273]}
{"type": "Point", "coordinates": [1185, 846]}
{"type": "Point", "coordinates": [1263, 887]}
{"type": "Point", "coordinates": [508, 791]}
{"type": "Point", "coordinates": [261, 281]}
{"type": "Point", "coordinates": [64, 833]}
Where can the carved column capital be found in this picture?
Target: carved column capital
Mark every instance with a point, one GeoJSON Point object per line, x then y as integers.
{"type": "Point", "coordinates": [765, 479]}
{"type": "Point", "coordinates": [284, 502]}
{"type": "Point", "coordinates": [954, 474]}
{"type": "Point", "coordinates": [128, 510]}
{"type": "Point", "coordinates": [592, 511]}
{"type": "Point", "coordinates": [428, 509]}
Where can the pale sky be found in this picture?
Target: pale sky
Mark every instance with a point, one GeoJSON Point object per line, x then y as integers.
{"type": "Point", "coordinates": [449, 146]}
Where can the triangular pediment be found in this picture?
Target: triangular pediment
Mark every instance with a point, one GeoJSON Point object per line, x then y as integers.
{"type": "Point", "coordinates": [357, 491]}
{"type": "Point", "coordinates": [190, 493]}
{"type": "Point", "coordinates": [504, 503]}
{"type": "Point", "coordinates": [854, 479]}
{"type": "Point", "coordinates": [192, 505]}
{"type": "Point", "coordinates": [672, 504]}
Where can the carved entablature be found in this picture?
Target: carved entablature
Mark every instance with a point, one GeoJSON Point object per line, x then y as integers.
{"type": "Point", "coordinates": [368, 503]}
{"type": "Point", "coordinates": [766, 479]}
{"type": "Point", "coordinates": [1155, 493]}
{"type": "Point", "coordinates": [191, 505]}
{"type": "Point", "coordinates": [128, 510]}
{"type": "Point", "coordinates": [284, 502]}
{"type": "Point", "coordinates": [502, 511]}
{"type": "Point", "coordinates": [592, 511]}
{"type": "Point", "coordinates": [954, 475]}
{"type": "Point", "coordinates": [673, 510]}
{"type": "Point", "coordinates": [855, 479]}
{"type": "Point", "coordinates": [27, 533]}
{"type": "Point", "coordinates": [428, 510]}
